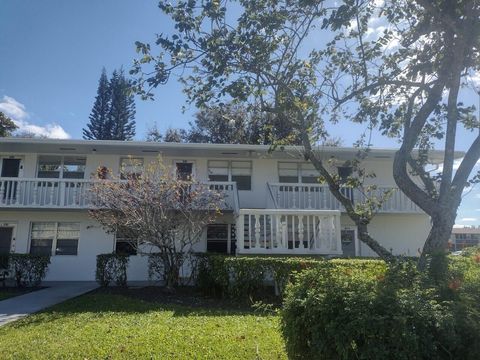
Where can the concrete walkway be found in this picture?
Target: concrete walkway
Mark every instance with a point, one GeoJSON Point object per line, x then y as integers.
{"type": "Point", "coordinates": [56, 292]}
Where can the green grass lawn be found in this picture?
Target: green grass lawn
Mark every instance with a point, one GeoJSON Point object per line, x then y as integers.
{"type": "Point", "coordinates": [112, 326]}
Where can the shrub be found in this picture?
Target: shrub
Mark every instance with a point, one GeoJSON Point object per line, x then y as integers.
{"type": "Point", "coordinates": [370, 312]}
{"type": "Point", "coordinates": [28, 269]}
{"type": "Point", "coordinates": [112, 267]}
{"type": "Point", "coordinates": [246, 276]}
{"type": "Point", "coordinates": [212, 274]}
{"type": "Point", "coordinates": [241, 277]}
{"type": "Point", "coordinates": [464, 285]}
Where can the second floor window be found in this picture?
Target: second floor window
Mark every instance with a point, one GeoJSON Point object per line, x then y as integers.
{"type": "Point", "coordinates": [292, 172]}
{"type": "Point", "coordinates": [61, 167]}
{"type": "Point", "coordinates": [131, 168]}
{"type": "Point", "coordinates": [238, 171]}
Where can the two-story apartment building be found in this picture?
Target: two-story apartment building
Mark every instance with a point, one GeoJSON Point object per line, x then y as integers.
{"type": "Point", "coordinates": [275, 204]}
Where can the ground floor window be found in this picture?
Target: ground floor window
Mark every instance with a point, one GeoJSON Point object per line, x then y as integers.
{"type": "Point", "coordinates": [59, 238]}
{"type": "Point", "coordinates": [124, 244]}
{"type": "Point", "coordinates": [221, 238]}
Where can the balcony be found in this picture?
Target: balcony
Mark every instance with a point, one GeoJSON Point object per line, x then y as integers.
{"type": "Point", "coordinates": [38, 193]}
{"type": "Point", "coordinates": [319, 197]}
{"type": "Point", "coordinates": [293, 232]}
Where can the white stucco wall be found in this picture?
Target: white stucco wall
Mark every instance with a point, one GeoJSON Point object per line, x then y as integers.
{"type": "Point", "coordinates": [403, 234]}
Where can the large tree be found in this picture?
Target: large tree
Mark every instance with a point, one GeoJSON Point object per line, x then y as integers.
{"type": "Point", "coordinates": [98, 128]}
{"type": "Point", "coordinates": [256, 61]}
{"type": "Point", "coordinates": [7, 126]}
{"type": "Point", "coordinates": [113, 112]}
{"type": "Point", "coordinates": [235, 124]}
{"type": "Point", "coordinates": [121, 115]}
{"type": "Point", "coordinates": [316, 60]}
{"type": "Point", "coordinates": [230, 124]}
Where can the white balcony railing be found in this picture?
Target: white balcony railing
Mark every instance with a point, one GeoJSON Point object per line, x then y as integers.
{"type": "Point", "coordinates": [44, 193]}
{"type": "Point", "coordinates": [278, 231]}
{"type": "Point", "coordinates": [319, 197]}
{"type": "Point", "coordinates": [73, 193]}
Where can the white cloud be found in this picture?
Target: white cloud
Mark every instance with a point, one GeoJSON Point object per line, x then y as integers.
{"type": "Point", "coordinates": [12, 108]}
{"type": "Point", "coordinates": [18, 113]}
{"type": "Point", "coordinates": [468, 219]}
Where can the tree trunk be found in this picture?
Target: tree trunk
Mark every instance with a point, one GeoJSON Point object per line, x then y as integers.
{"type": "Point", "coordinates": [437, 240]}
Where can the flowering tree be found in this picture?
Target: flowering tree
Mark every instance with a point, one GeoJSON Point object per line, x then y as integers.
{"type": "Point", "coordinates": [159, 211]}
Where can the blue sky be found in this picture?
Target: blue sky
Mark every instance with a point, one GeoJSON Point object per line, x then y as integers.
{"type": "Point", "coordinates": [52, 52]}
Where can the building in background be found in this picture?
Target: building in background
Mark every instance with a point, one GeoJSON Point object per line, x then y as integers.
{"type": "Point", "coordinates": [463, 237]}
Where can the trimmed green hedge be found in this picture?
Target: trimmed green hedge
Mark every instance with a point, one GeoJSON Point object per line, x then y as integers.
{"type": "Point", "coordinates": [28, 269]}
{"type": "Point", "coordinates": [112, 267]}
{"type": "Point", "coordinates": [375, 312]}
{"type": "Point", "coordinates": [244, 277]}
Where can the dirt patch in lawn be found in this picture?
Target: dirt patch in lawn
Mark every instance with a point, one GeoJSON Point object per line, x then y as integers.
{"type": "Point", "coordinates": [186, 296]}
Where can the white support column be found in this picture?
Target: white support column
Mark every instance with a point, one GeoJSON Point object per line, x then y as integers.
{"type": "Point", "coordinates": [257, 231]}
{"type": "Point", "coordinates": [301, 234]}
{"type": "Point", "coordinates": [2, 192]}
{"type": "Point", "coordinates": [338, 234]}
{"type": "Point", "coordinates": [18, 192]}
{"type": "Point", "coordinates": [240, 232]}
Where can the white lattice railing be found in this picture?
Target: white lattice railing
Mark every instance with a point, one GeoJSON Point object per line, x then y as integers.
{"type": "Point", "coordinates": [278, 231]}
{"type": "Point", "coordinates": [73, 193]}
{"type": "Point", "coordinates": [316, 196]}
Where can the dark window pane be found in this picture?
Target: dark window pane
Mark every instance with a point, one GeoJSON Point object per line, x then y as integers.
{"type": "Point", "coordinates": [73, 175]}
{"type": "Point", "coordinates": [5, 239]}
{"type": "Point", "coordinates": [67, 247]}
{"type": "Point", "coordinates": [288, 179]}
{"type": "Point", "coordinates": [310, 179]}
{"type": "Point", "coordinates": [244, 182]}
{"type": "Point", "coordinates": [184, 171]}
{"type": "Point", "coordinates": [218, 177]}
{"type": "Point", "coordinates": [48, 174]}
{"type": "Point", "coordinates": [344, 172]}
{"type": "Point", "coordinates": [125, 247]}
{"type": "Point", "coordinates": [217, 246]}
{"type": "Point", "coordinates": [41, 246]}
{"type": "Point", "coordinates": [217, 238]}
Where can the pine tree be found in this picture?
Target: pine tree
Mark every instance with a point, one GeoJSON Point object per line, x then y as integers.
{"type": "Point", "coordinates": [122, 108]}
{"type": "Point", "coordinates": [98, 129]}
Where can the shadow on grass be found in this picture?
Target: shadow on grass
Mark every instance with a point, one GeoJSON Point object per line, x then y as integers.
{"type": "Point", "coordinates": [105, 302]}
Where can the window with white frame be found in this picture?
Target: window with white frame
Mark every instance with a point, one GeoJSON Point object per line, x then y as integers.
{"type": "Point", "coordinates": [131, 167]}
{"type": "Point", "coordinates": [225, 170]}
{"type": "Point", "coordinates": [295, 172]}
{"type": "Point", "coordinates": [61, 167]}
{"type": "Point", "coordinates": [59, 238]}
